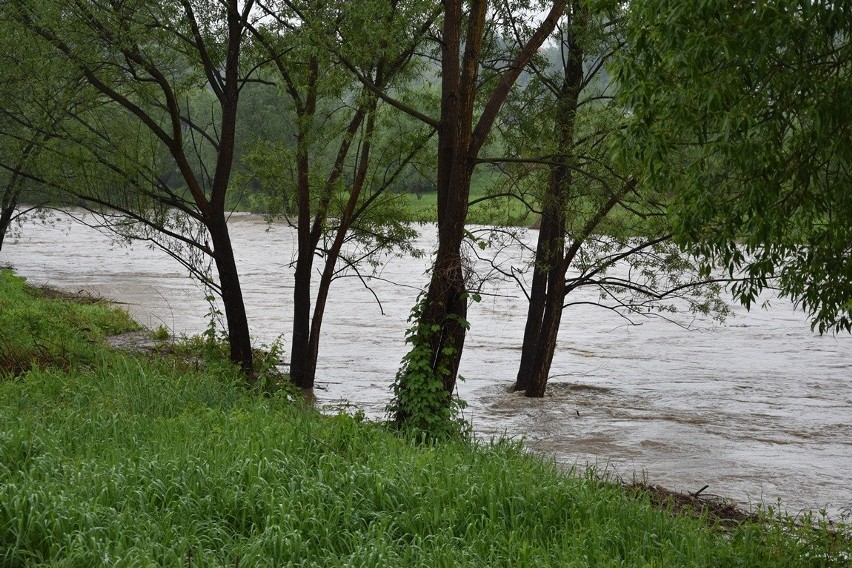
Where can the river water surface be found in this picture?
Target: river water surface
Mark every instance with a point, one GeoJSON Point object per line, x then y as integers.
{"type": "Point", "coordinates": [758, 408]}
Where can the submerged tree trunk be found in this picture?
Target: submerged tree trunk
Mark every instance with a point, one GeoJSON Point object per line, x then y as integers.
{"type": "Point", "coordinates": [442, 322]}
{"type": "Point", "coordinates": [548, 287]}
{"type": "Point", "coordinates": [551, 242]}
{"type": "Point", "coordinates": [545, 347]}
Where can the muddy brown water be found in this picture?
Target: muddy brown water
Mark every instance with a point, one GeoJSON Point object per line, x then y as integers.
{"type": "Point", "coordinates": [758, 408]}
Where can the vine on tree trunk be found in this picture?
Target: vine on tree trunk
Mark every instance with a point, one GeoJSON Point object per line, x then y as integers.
{"type": "Point", "coordinates": [421, 404]}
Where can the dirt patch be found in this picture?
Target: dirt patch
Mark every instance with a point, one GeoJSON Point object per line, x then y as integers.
{"type": "Point", "coordinates": [137, 341]}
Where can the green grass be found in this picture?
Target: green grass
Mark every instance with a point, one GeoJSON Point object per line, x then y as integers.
{"type": "Point", "coordinates": [496, 211]}
{"type": "Point", "coordinates": [113, 459]}
{"type": "Point", "coordinates": [57, 332]}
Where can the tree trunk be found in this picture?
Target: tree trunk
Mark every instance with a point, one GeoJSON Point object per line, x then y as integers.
{"type": "Point", "coordinates": [239, 338]}
{"type": "Point", "coordinates": [548, 289]}
{"type": "Point", "coordinates": [7, 209]}
{"type": "Point", "coordinates": [12, 192]}
{"type": "Point", "coordinates": [300, 372]}
{"type": "Point", "coordinates": [551, 237]}
{"type": "Point", "coordinates": [300, 351]}
{"type": "Point", "coordinates": [442, 323]}
{"type": "Point", "coordinates": [5, 221]}
{"type": "Point", "coordinates": [306, 329]}
{"type": "Point", "coordinates": [546, 345]}
{"type": "Point", "coordinates": [345, 223]}
{"type": "Point", "coordinates": [300, 369]}
{"type": "Point", "coordinates": [443, 319]}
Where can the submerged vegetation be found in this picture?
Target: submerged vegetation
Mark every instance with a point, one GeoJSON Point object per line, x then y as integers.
{"type": "Point", "coordinates": [119, 458]}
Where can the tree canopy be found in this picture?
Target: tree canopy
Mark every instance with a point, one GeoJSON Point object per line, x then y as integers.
{"type": "Point", "coordinates": [741, 110]}
{"type": "Point", "coordinates": [143, 60]}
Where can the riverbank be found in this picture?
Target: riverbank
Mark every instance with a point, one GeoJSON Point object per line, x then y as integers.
{"type": "Point", "coordinates": [111, 457]}
{"type": "Point", "coordinates": [757, 408]}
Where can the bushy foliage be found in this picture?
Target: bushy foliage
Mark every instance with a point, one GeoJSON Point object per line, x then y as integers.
{"type": "Point", "coordinates": [421, 404]}
{"type": "Point", "coordinates": [759, 95]}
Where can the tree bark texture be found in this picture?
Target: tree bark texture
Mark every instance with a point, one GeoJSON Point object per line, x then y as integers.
{"type": "Point", "coordinates": [239, 336]}
{"type": "Point", "coordinates": [459, 142]}
{"type": "Point", "coordinates": [300, 351]}
{"type": "Point", "coordinates": [548, 287]}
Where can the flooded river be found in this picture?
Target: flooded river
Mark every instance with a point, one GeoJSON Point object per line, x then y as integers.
{"type": "Point", "coordinates": [758, 408]}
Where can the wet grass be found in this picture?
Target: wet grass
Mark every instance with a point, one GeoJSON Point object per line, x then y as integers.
{"type": "Point", "coordinates": [51, 333]}
{"type": "Point", "coordinates": [487, 209]}
{"type": "Point", "coordinates": [137, 460]}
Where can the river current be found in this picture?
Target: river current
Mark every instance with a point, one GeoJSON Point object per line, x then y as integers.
{"type": "Point", "coordinates": [758, 407]}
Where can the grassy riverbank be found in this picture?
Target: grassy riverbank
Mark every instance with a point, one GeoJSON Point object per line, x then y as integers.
{"type": "Point", "coordinates": [110, 458]}
{"type": "Point", "coordinates": [486, 208]}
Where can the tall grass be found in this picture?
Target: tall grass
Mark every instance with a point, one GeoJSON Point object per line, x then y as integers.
{"type": "Point", "coordinates": [138, 461]}
{"type": "Point", "coordinates": [56, 332]}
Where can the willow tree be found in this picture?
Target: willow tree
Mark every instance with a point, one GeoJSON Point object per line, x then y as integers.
{"type": "Point", "coordinates": [22, 141]}
{"type": "Point", "coordinates": [760, 92]}
{"type": "Point", "coordinates": [329, 60]}
{"type": "Point", "coordinates": [144, 59]}
{"type": "Point", "coordinates": [468, 110]}
{"type": "Point", "coordinates": [38, 95]}
{"type": "Point", "coordinates": [601, 225]}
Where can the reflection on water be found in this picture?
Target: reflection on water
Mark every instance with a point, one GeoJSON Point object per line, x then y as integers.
{"type": "Point", "coordinates": [759, 408]}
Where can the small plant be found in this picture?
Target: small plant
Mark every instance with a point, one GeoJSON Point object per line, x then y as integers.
{"type": "Point", "coordinates": [213, 333]}
{"type": "Point", "coordinates": [162, 333]}
{"type": "Point", "coordinates": [271, 380]}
